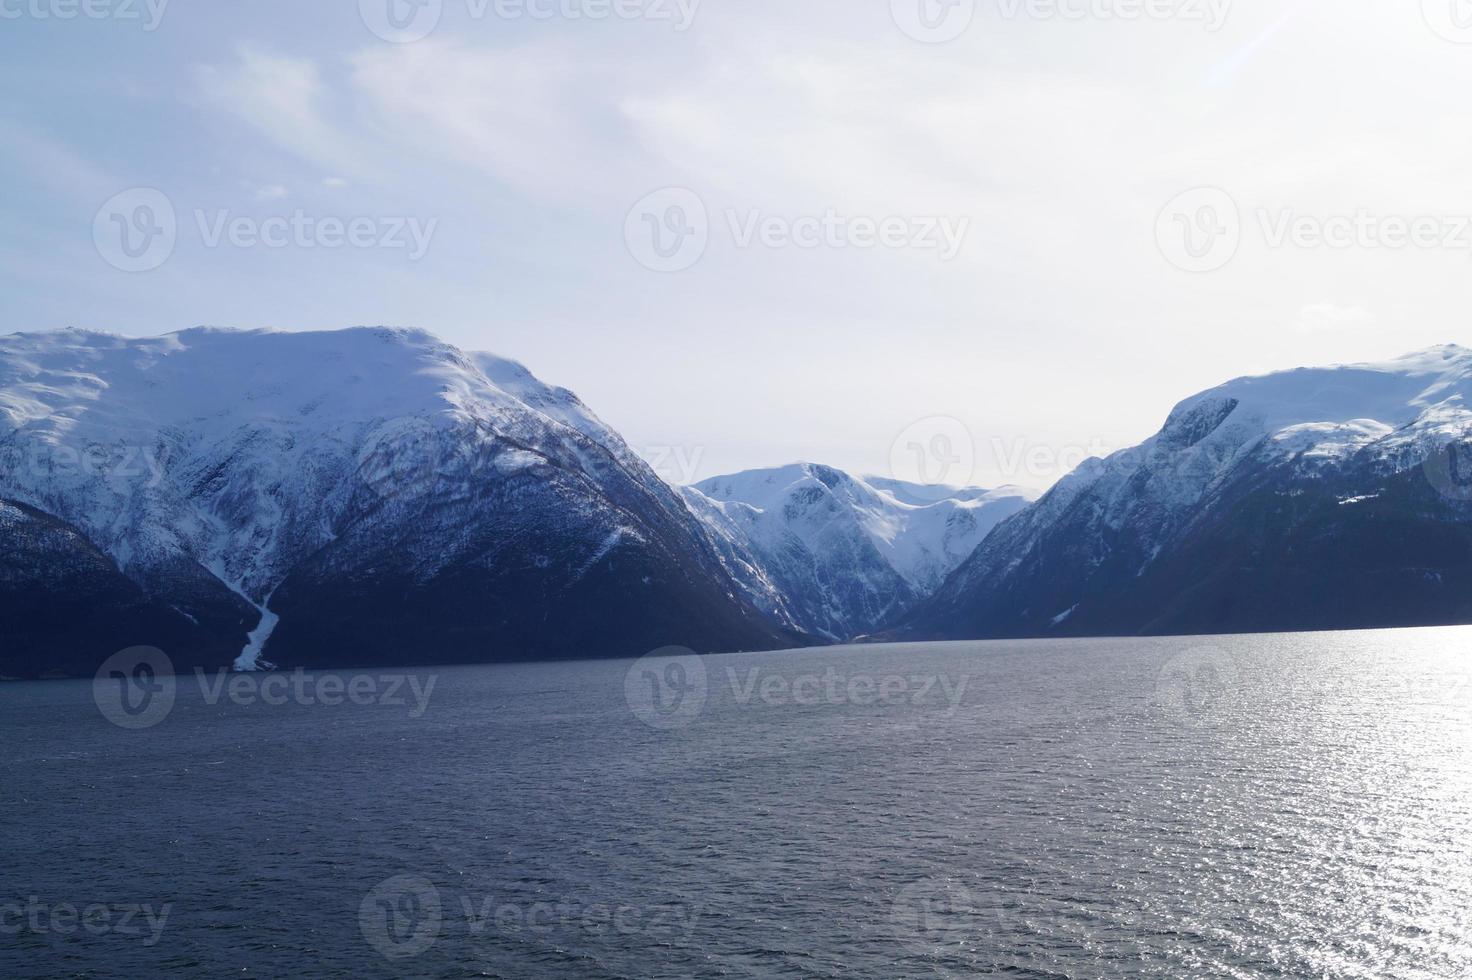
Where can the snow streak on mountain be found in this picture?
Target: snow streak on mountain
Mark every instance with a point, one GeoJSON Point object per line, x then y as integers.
{"type": "Point", "coordinates": [840, 556]}
{"type": "Point", "coordinates": [375, 496]}
{"type": "Point", "coordinates": [359, 496]}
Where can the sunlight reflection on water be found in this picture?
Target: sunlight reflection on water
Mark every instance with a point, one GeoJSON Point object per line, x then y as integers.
{"type": "Point", "coordinates": [1288, 805]}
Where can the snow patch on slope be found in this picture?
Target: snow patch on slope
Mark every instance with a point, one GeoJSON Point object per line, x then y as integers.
{"type": "Point", "coordinates": [840, 554]}
{"type": "Point", "coordinates": [1392, 414]}
{"type": "Point", "coordinates": [243, 452]}
{"type": "Point", "coordinates": [922, 540]}
{"type": "Point", "coordinates": [1338, 410]}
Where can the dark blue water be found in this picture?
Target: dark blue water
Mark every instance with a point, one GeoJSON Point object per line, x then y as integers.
{"type": "Point", "coordinates": [1284, 806]}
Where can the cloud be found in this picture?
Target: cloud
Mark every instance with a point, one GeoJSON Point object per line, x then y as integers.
{"type": "Point", "coordinates": [533, 117]}
{"type": "Point", "coordinates": [1318, 317]}
{"type": "Point", "coordinates": [537, 117]}
{"type": "Point", "coordinates": [286, 100]}
{"type": "Point", "coordinates": [871, 128]}
{"type": "Point", "coordinates": [54, 164]}
{"type": "Point", "coordinates": [1060, 139]}
{"type": "Point", "coordinates": [881, 130]}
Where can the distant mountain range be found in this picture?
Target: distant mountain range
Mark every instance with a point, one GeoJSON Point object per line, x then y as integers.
{"type": "Point", "coordinates": [375, 496]}
{"type": "Point", "coordinates": [840, 556]}
{"type": "Point", "coordinates": [1323, 498]}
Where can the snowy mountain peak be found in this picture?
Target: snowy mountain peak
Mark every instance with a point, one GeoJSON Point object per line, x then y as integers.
{"type": "Point", "coordinates": [1370, 397]}
{"type": "Point", "coordinates": [845, 554]}
{"type": "Point", "coordinates": [1250, 498]}
{"type": "Point", "coordinates": [236, 459]}
{"type": "Point", "coordinates": [87, 383]}
{"type": "Point", "coordinates": [1409, 405]}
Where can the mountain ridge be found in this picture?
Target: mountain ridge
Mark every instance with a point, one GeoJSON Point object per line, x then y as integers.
{"type": "Point", "coordinates": [1245, 513]}
{"type": "Point", "coordinates": [841, 556]}
{"type": "Point", "coordinates": [255, 498]}
{"type": "Point", "coordinates": [371, 487]}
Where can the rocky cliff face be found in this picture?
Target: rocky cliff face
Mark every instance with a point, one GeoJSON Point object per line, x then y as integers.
{"type": "Point", "coordinates": [1310, 499]}
{"type": "Point", "coordinates": [358, 496]}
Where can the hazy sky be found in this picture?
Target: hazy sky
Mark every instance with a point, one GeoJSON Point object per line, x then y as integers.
{"type": "Point", "coordinates": [887, 211]}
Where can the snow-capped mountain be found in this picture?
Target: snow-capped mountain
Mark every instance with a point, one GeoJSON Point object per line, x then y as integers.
{"type": "Point", "coordinates": [357, 496]}
{"type": "Point", "coordinates": [840, 556]}
{"type": "Point", "coordinates": [1310, 499]}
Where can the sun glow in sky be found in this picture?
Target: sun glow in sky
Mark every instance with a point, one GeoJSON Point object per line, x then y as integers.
{"type": "Point", "coordinates": [1047, 221]}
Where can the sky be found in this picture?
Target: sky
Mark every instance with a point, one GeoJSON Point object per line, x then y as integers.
{"type": "Point", "coordinates": [975, 240]}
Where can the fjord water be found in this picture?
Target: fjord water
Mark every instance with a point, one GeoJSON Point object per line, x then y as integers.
{"type": "Point", "coordinates": [1263, 806]}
